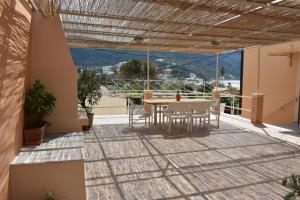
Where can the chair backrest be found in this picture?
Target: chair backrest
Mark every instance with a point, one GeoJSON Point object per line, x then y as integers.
{"type": "Point", "coordinates": [131, 105]}
{"type": "Point", "coordinates": [182, 107]}
{"type": "Point", "coordinates": [215, 105]}
{"type": "Point", "coordinates": [200, 107]}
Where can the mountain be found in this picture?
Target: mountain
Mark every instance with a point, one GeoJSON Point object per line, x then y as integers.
{"type": "Point", "coordinates": [182, 64]}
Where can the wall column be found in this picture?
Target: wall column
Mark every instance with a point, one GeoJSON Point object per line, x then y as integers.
{"type": "Point", "coordinates": [148, 94]}
{"type": "Point", "coordinates": [257, 107]}
{"type": "Point", "coordinates": [216, 95]}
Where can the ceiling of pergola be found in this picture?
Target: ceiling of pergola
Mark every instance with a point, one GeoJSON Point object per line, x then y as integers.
{"type": "Point", "coordinates": [179, 25]}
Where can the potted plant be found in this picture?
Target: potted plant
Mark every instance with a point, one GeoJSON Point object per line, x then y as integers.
{"type": "Point", "coordinates": [293, 183]}
{"type": "Point", "coordinates": [38, 103]}
{"type": "Point", "coordinates": [89, 92]}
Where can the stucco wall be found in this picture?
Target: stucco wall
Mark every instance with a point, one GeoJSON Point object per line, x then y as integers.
{"type": "Point", "coordinates": [278, 81]}
{"type": "Point", "coordinates": [15, 17]}
{"type": "Point", "coordinates": [51, 62]}
{"type": "Point", "coordinates": [65, 179]}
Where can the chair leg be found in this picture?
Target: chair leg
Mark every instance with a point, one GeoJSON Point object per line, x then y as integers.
{"type": "Point", "coordinates": [170, 122]}
{"type": "Point", "coordinates": [208, 123]}
{"type": "Point", "coordinates": [188, 125]}
{"type": "Point", "coordinates": [218, 123]}
{"type": "Point", "coordinates": [191, 125]}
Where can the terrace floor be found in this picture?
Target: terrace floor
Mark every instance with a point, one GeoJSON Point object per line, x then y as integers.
{"type": "Point", "coordinates": [230, 163]}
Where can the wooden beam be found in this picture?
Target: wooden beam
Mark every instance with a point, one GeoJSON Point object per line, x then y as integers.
{"type": "Point", "coordinates": [146, 45]}
{"type": "Point", "coordinates": [160, 37]}
{"type": "Point", "coordinates": [159, 22]}
{"type": "Point", "coordinates": [96, 45]}
{"type": "Point", "coordinates": [179, 34]}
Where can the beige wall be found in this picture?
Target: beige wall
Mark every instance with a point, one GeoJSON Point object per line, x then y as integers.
{"type": "Point", "coordinates": [278, 81]}
{"type": "Point", "coordinates": [65, 179]}
{"type": "Point", "coordinates": [51, 62]}
{"type": "Point", "coordinates": [14, 59]}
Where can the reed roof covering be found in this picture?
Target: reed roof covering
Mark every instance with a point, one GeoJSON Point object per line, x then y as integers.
{"type": "Point", "coordinates": [178, 25]}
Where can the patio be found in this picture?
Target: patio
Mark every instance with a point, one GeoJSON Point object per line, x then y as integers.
{"type": "Point", "coordinates": [234, 162]}
{"type": "Point", "coordinates": [141, 163]}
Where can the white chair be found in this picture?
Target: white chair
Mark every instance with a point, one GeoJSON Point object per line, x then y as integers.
{"type": "Point", "coordinates": [200, 110]}
{"type": "Point", "coordinates": [177, 111]}
{"type": "Point", "coordinates": [215, 109]}
{"type": "Point", "coordinates": [136, 113]}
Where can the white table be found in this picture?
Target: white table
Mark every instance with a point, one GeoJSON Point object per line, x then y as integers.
{"type": "Point", "coordinates": [160, 102]}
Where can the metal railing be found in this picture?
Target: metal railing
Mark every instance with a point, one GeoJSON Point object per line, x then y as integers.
{"type": "Point", "coordinates": [234, 106]}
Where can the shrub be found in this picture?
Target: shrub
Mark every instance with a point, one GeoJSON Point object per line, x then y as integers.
{"type": "Point", "coordinates": [293, 183]}
{"type": "Point", "coordinates": [38, 103]}
{"type": "Point", "coordinates": [89, 89]}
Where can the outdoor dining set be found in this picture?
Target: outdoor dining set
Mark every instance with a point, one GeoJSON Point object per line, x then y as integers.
{"type": "Point", "coordinates": [168, 113]}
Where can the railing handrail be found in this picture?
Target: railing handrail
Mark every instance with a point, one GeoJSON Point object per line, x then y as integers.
{"type": "Point", "coordinates": [193, 94]}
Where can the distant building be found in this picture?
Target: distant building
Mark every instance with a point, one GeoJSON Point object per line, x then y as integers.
{"type": "Point", "coordinates": [107, 70]}
{"type": "Point", "coordinates": [167, 75]}
{"type": "Point", "coordinates": [193, 79]}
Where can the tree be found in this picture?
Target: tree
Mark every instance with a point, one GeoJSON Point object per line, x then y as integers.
{"type": "Point", "coordinates": [137, 69]}
{"type": "Point", "coordinates": [222, 72]}
{"type": "Point", "coordinates": [207, 88]}
{"type": "Point", "coordinates": [89, 89]}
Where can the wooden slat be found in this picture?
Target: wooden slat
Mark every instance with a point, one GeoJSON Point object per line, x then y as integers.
{"type": "Point", "coordinates": [159, 22]}
{"type": "Point", "coordinates": [178, 34]}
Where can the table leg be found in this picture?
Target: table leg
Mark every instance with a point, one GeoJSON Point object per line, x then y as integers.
{"type": "Point", "coordinates": [155, 114]}
{"type": "Point", "coordinates": [159, 115]}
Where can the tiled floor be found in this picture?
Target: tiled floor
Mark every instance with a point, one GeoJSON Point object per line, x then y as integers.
{"type": "Point", "coordinates": [230, 163]}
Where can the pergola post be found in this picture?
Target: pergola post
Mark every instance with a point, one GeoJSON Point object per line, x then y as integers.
{"type": "Point", "coordinates": [217, 71]}
{"type": "Point", "coordinates": [148, 70]}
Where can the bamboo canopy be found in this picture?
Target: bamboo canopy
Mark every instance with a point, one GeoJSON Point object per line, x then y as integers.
{"type": "Point", "coordinates": [175, 25]}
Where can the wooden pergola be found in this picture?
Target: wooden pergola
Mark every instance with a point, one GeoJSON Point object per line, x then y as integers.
{"type": "Point", "coordinates": [175, 25]}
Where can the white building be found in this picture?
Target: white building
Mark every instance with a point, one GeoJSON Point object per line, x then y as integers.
{"type": "Point", "coordinates": [193, 79]}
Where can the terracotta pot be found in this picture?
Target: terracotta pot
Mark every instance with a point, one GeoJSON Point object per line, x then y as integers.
{"type": "Point", "coordinates": [91, 118]}
{"type": "Point", "coordinates": [86, 128]}
{"type": "Point", "coordinates": [34, 136]}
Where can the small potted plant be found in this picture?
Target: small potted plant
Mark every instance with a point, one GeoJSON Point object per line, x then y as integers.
{"type": "Point", "coordinates": [49, 196]}
{"type": "Point", "coordinates": [292, 183]}
{"type": "Point", "coordinates": [38, 103]}
{"type": "Point", "coordinates": [89, 92]}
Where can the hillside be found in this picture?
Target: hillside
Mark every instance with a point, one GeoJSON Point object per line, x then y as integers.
{"type": "Point", "coordinates": [203, 65]}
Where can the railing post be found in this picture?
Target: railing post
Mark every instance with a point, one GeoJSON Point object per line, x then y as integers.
{"type": "Point", "coordinates": [232, 109]}
{"type": "Point", "coordinates": [216, 94]}
{"type": "Point", "coordinates": [257, 107]}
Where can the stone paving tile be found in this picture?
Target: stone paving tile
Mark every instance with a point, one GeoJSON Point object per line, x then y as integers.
{"type": "Point", "coordinates": [264, 191]}
{"type": "Point", "coordinates": [230, 163]}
